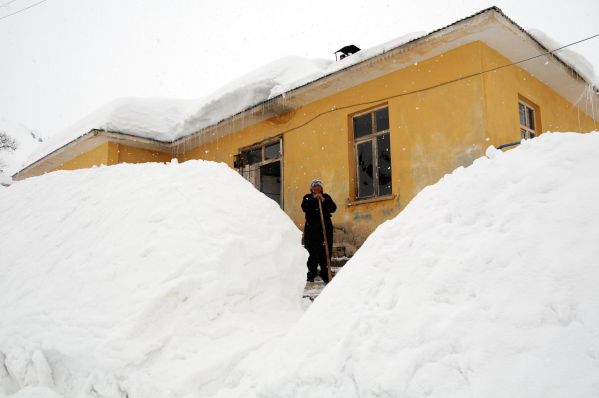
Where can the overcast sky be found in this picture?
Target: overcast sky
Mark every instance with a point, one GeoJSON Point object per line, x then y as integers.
{"type": "Point", "coordinates": [62, 59]}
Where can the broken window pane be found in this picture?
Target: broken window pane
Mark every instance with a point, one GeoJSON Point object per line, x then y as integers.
{"type": "Point", "coordinates": [382, 119]}
{"type": "Point", "coordinates": [272, 151]}
{"type": "Point", "coordinates": [384, 164]}
{"type": "Point", "coordinates": [254, 156]}
{"type": "Point", "coordinates": [362, 125]}
{"type": "Point", "coordinates": [365, 170]}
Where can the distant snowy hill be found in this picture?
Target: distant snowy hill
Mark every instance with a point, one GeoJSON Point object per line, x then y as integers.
{"type": "Point", "coordinates": [28, 140]}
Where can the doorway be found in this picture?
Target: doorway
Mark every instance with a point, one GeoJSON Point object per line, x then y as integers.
{"type": "Point", "coordinates": [261, 164]}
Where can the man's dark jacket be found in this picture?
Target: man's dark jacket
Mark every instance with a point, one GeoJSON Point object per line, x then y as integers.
{"type": "Point", "coordinates": [313, 229]}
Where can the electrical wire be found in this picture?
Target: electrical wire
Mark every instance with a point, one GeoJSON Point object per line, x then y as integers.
{"type": "Point", "coordinates": [436, 85]}
{"type": "Point", "coordinates": [7, 3]}
{"type": "Point", "coordinates": [22, 9]}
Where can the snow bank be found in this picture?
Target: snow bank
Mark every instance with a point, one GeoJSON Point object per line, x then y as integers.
{"type": "Point", "coordinates": [484, 286]}
{"type": "Point", "coordinates": [141, 280]}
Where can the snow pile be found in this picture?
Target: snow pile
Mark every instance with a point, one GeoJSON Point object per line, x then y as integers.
{"type": "Point", "coordinates": [484, 286]}
{"type": "Point", "coordinates": [572, 58]}
{"type": "Point", "coordinates": [145, 280]}
{"type": "Point", "coordinates": [28, 140]}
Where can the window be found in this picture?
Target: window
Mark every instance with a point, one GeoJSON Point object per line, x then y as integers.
{"type": "Point", "coordinates": [373, 153]}
{"type": "Point", "coordinates": [261, 165]}
{"type": "Point", "coordinates": [527, 120]}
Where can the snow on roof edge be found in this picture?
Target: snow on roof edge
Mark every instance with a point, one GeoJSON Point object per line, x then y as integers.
{"type": "Point", "coordinates": [416, 39]}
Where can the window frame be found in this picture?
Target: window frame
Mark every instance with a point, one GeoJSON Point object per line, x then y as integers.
{"type": "Point", "coordinates": [373, 137]}
{"type": "Point", "coordinates": [248, 170]}
{"type": "Point", "coordinates": [526, 131]}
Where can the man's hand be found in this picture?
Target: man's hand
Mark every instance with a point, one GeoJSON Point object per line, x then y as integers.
{"type": "Point", "coordinates": [318, 196]}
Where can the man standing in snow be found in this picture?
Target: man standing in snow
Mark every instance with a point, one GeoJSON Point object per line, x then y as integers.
{"type": "Point", "coordinates": [313, 230]}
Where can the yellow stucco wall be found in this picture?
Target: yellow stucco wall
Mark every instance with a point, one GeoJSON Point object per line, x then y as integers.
{"type": "Point", "coordinates": [110, 153]}
{"type": "Point", "coordinates": [431, 133]}
{"type": "Point", "coordinates": [129, 154]}
{"type": "Point", "coordinates": [505, 86]}
{"type": "Point", "coordinates": [102, 154]}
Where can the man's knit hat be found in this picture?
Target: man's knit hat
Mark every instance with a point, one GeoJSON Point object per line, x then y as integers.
{"type": "Point", "coordinates": [316, 182]}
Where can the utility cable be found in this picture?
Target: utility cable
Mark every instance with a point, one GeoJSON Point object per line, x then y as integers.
{"type": "Point", "coordinates": [22, 9]}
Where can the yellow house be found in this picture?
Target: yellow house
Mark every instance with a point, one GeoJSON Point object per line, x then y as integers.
{"type": "Point", "coordinates": [376, 127]}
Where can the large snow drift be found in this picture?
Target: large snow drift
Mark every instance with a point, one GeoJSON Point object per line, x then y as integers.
{"type": "Point", "coordinates": [486, 285]}
{"type": "Point", "coordinates": [141, 280]}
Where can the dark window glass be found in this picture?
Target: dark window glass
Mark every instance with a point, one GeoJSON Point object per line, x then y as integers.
{"type": "Point", "coordinates": [523, 134]}
{"type": "Point", "coordinates": [384, 164]}
{"type": "Point", "coordinates": [531, 118]}
{"type": "Point", "coordinates": [272, 151]}
{"type": "Point", "coordinates": [382, 119]}
{"type": "Point", "coordinates": [254, 156]}
{"type": "Point", "coordinates": [365, 170]}
{"type": "Point", "coordinates": [362, 125]}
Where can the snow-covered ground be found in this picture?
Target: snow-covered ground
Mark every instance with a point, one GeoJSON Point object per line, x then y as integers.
{"type": "Point", "coordinates": [184, 281]}
{"type": "Point", "coordinates": [141, 280]}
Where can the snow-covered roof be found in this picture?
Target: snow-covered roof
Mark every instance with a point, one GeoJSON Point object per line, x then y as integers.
{"type": "Point", "coordinates": [290, 82]}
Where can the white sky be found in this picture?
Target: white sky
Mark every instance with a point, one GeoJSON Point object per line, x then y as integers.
{"type": "Point", "coordinates": [62, 59]}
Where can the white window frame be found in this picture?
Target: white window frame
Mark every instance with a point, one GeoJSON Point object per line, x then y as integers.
{"type": "Point", "coordinates": [528, 129]}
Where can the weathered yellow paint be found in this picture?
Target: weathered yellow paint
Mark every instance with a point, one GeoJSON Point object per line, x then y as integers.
{"type": "Point", "coordinates": [435, 127]}
{"type": "Point", "coordinates": [103, 154]}
{"type": "Point", "coordinates": [110, 153]}
{"type": "Point", "coordinates": [505, 86]}
{"type": "Point", "coordinates": [424, 142]}
{"type": "Point", "coordinates": [129, 154]}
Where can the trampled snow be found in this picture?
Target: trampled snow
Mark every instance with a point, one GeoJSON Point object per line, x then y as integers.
{"type": "Point", "coordinates": [484, 286]}
{"type": "Point", "coordinates": [145, 280]}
